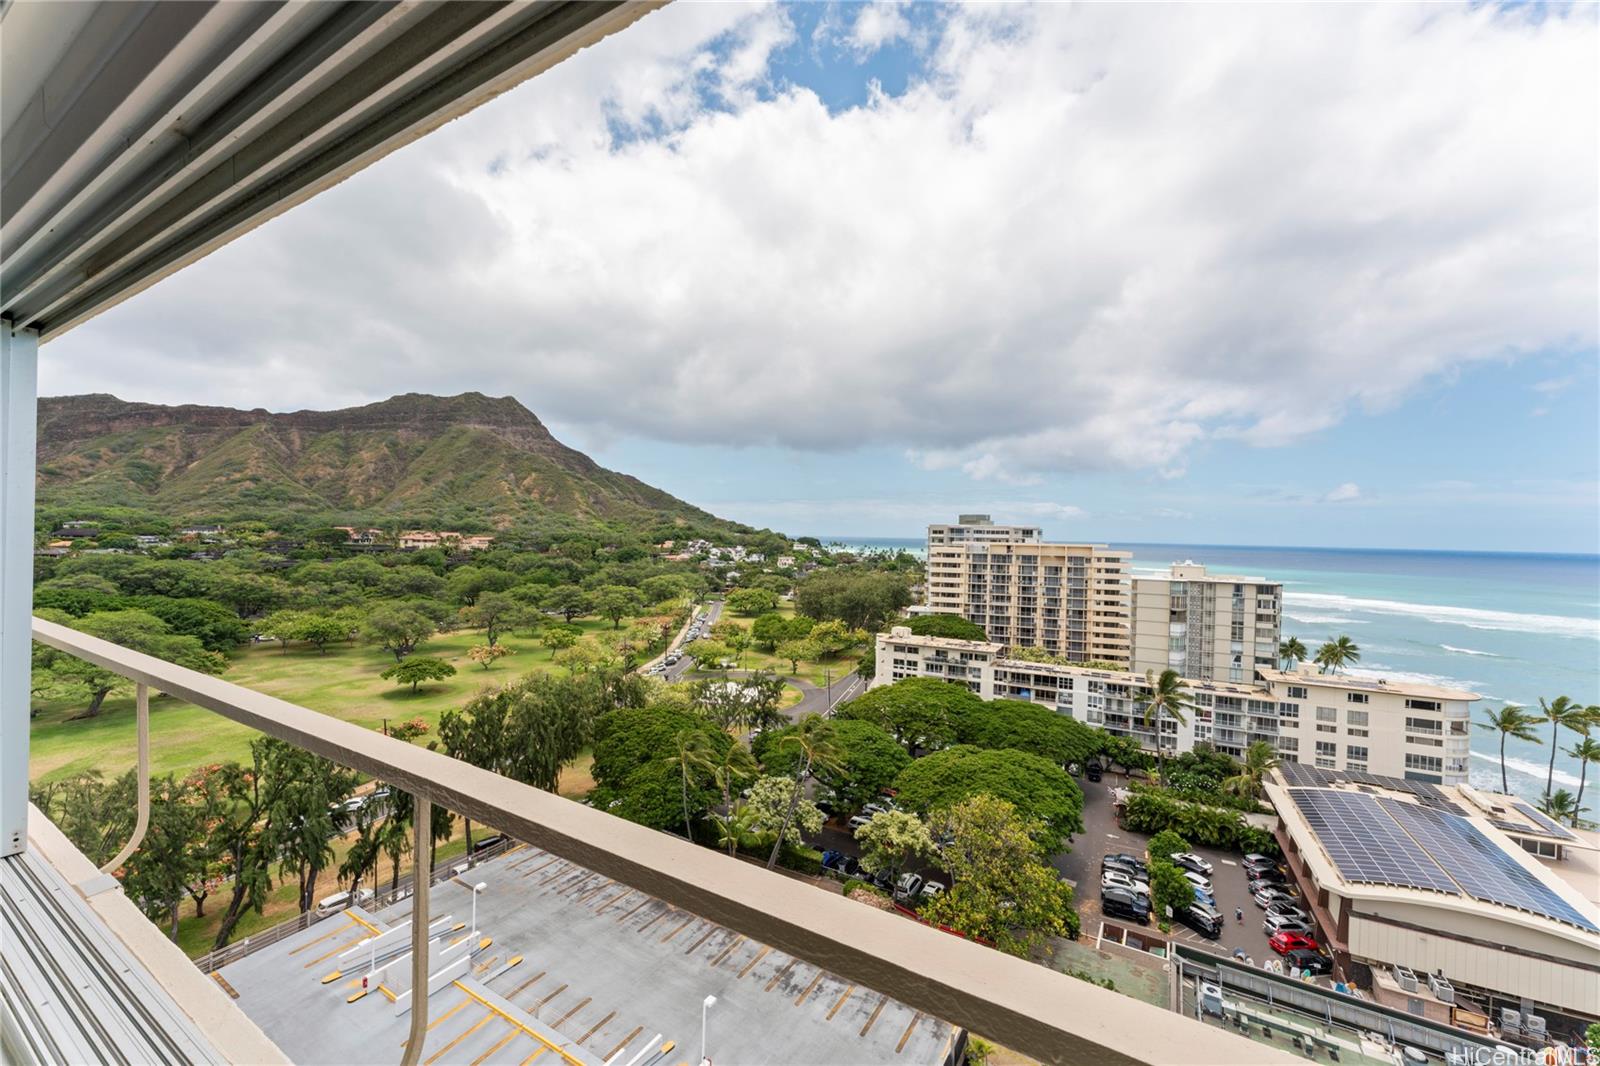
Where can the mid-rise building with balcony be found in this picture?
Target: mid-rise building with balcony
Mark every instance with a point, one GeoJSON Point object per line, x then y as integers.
{"type": "Point", "coordinates": [1071, 600]}
{"type": "Point", "coordinates": [1396, 728]}
{"type": "Point", "coordinates": [1219, 627]}
{"type": "Point", "coordinates": [981, 527]}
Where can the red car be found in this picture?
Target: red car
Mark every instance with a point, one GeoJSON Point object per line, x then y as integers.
{"type": "Point", "coordinates": [1285, 942]}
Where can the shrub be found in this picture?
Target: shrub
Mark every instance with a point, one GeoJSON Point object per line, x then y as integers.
{"type": "Point", "coordinates": [1152, 812]}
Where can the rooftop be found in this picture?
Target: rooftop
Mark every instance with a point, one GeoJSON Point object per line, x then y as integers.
{"type": "Point", "coordinates": [1399, 687]}
{"type": "Point", "coordinates": [1410, 842]}
{"type": "Point", "coordinates": [605, 972]}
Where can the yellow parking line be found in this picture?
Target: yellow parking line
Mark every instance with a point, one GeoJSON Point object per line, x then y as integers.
{"type": "Point", "coordinates": [320, 939]}
{"type": "Point", "coordinates": [504, 1040]}
{"type": "Point", "coordinates": [473, 1028]}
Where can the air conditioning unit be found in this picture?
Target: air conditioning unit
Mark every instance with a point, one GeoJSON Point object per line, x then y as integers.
{"type": "Point", "coordinates": [1405, 978]}
{"type": "Point", "coordinates": [1441, 989]}
{"type": "Point", "coordinates": [1533, 1024]}
{"type": "Point", "coordinates": [1510, 1020]}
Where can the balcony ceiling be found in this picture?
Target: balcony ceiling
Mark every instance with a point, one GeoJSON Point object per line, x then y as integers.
{"type": "Point", "coordinates": [136, 137]}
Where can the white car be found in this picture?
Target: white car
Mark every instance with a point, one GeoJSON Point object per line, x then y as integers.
{"type": "Point", "coordinates": [858, 821]}
{"type": "Point", "coordinates": [1118, 879]}
{"type": "Point", "coordinates": [931, 889]}
{"type": "Point", "coordinates": [1199, 881]}
{"type": "Point", "coordinates": [1190, 861]}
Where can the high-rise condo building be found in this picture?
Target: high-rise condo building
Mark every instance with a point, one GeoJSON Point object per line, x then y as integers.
{"type": "Point", "coordinates": [980, 527]}
{"type": "Point", "coordinates": [1072, 600]}
{"type": "Point", "coordinates": [1218, 627]}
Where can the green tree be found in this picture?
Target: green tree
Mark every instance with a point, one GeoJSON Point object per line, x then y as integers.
{"type": "Point", "coordinates": [248, 835]}
{"type": "Point", "coordinates": [1559, 712]}
{"type": "Point", "coordinates": [68, 677]}
{"type": "Point", "coordinates": [946, 625]}
{"type": "Point", "coordinates": [320, 630]}
{"type": "Point", "coordinates": [1586, 751]}
{"type": "Point", "coordinates": [1168, 887]}
{"type": "Point", "coordinates": [707, 654]}
{"type": "Point", "coordinates": [171, 857]}
{"type": "Point", "coordinates": [1002, 887]}
{"type": "Point", "coordinates": [493, 612]}
{"type": "Point", "coordinates": [304, 825]}
{"type": "Point", "coordinates": [813, 744]}
{"type": "Point", "coordinates": [691, 755]}
{"type": "Point", "coordinates": [769, 630]}
{"type": "Point", "coordinates": [732, 767]}
{"type": "Point", "coordinates": [414, 672]}
{"type": "Point", "coordinates": [1163, 697]}
{"type": "Point", "coordinates": [750, 601]}
{"type": "Point", "coordinates": [1291, 652]}
{"type": "Point", "coordinates": [1046, 794]}
{"type": "Point", "coordinates": [560, 637]}
{"type": "Point", "coordinates": [569, 601]}
{"type": "Point", "coordinates": [868, 761]}
{"type": "Point", "coordinates": [1561, 806]}
{"type": "Point", "coordinates": [1338, 653]}
{"type": "Point", "coordinates": [1510, 721]}
{"type": "Point", "coordinates": [617, 602]}
{"type": "Point", "coordinates": [918, 712]}
{"type": "Point", "coordinates": [859, 598]}
{"type": "Point", "coordinates": [486, 655]}
{"type": "Point", "coordinates": [891, 839]}
{"type": "Point", "coordinates": [797, 650]}
{"type": "Point", "coordinates": [1260, 758]}
{"type": "Point", "coordinates": [777, 810]}
{"type": "Point", "coordinates": [399, 629]}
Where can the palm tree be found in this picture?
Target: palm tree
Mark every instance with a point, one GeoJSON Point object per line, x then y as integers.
{"type": "Point", "coordinates": [1510, 721]}
{"type": "Point", "coordinates": [815, 745]}
{"type": "Point", "coordinates": [734, 765]}
{"type": "Point", "coordinates": [1561, 806]}
{"type": "Point", "coordinates": [1259, 760]}
{"type": "Point", "coordinates": [1291, 652]}
{"type": "Point", "coordinates": [691, 751]}
{"type": "Point", "coordinates": [1559, 712]}
{"type": "Point", "coordinates": [1585, 751]}
{"type": "Point", "coordinates": [1337, 653]}
{"type": "Point", "coordinates": [1164, 695]}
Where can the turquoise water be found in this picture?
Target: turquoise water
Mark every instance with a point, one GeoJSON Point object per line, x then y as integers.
{"type": "Point", "coordinates": [1511, 627]}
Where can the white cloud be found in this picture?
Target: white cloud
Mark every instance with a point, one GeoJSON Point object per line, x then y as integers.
{"type": "Point", "coordinates": [1088, 239]}
{"type": "Point", "coordinates": [877, 24]}
{"type": "Point", "coordinates": [1343, 493]}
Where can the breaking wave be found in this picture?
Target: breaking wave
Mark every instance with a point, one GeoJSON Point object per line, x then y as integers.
{"type": "Point", "coordinates": [1470, 617]}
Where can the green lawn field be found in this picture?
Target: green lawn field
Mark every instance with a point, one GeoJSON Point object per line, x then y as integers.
{"type": "Point", "coordinates": [343, 683]}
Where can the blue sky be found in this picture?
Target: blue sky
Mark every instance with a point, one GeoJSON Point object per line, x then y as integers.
{"type": "Point", "coordinates": [1193, 274]}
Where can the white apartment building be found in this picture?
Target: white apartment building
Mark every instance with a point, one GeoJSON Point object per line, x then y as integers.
{"type": "Point", "coordinates": [1218, 627]}
{"type": "Point", "coordinates": [980, 527]}
{"type": "Point", "coordinates": [1396, 729]}
{"type": "Point", "coordinates": [1072, 600]}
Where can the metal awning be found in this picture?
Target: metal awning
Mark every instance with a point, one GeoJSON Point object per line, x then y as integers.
{"type": "Point", "coordinates": [136, 137]}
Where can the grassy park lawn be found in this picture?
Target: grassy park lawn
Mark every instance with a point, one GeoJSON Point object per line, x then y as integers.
{"type": "Point", "coordinates": [344, 683]}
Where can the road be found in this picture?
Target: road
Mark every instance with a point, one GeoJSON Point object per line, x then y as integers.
{"type": "Point", "coordinates": [676, 671]}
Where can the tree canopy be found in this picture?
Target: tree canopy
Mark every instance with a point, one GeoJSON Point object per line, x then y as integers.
{"type": "Point", "coordinates": [860, 598]}
{"type": "Point", "coordinates": [869, 760]}
{"type": "Point", "coordinates": [944, 779]}
{"type": "Point", "coordinates": [946, 625]}
{"type": "Point", "coordinates": [919, 712]}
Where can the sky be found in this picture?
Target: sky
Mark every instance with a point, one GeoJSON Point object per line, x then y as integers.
{"type": "Point", "coordinates": [1255, 274]}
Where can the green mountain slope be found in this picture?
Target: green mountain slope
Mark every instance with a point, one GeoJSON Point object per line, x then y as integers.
{"type": "Point", "coordinates": [410, 457]}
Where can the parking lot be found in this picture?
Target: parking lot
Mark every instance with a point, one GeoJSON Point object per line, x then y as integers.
{"type": "Point", "coordinates": [1102, 836]}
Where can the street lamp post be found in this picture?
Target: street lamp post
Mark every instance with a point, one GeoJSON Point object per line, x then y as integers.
{"type": "Point", "coordinates": [479, 887]}
{"type": "Point", "coordinates": [705, 1005]}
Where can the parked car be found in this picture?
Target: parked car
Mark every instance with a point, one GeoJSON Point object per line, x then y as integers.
{"type": "Point", "coordinates": [1120, 903]}
{"type": "Point", "coordinates": [847, 865]}
{"type": "Point", "coordinates": [1202, 896]}
{"type": "Point", "coordinates": [858, 821]}
{"type": "Point", "coordinates": [485, 843]}
{"type": "Point", "coordinates": [1257, 861]}
{"type": "Point", "coordinates": [341, 900]}
{"type": "Point", "coordinates": [1303, 959]}
{"type": "Point", "coordinates": [1272, 874]}
{"type": "Point", "coordinates": [1130, 863]}
{"type": "Point", "coordinates": [1288, 907]}
{"type": "Point", "coordinates": [908, 886]}
{"type": "Point", "coordinates": [1138, 873]}
{"type": "Point", "coordinates": [1283, 943]}
{"type": "Point", "coordinates": [1202, 919]}
{"type": "Point", "coordinates": [1287, 923]}
{"type": "Point", "coordinates": [1118, 879]}
{"type": "Point", "coordinates": [1199, 881]}
{"type": "Point", "coordinates": [1188, 860]}
{"type": "Point", "coordinates": [1271, 894]}
{"type": "Point", "coordinates": [931, 888]}
{"type": "Point", "coordinates": [673, 658]}
{"type": "Point", "coordinates": [1092, 770]}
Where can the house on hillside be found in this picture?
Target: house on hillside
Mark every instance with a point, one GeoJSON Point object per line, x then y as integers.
{"type": "Point", "coordinates": [476, 543]}
{"type": "Point", "coordinates": [416, 539]}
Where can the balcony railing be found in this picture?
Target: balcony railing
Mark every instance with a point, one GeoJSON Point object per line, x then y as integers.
{"type": "Point", "coordinates": [1033, 1009]}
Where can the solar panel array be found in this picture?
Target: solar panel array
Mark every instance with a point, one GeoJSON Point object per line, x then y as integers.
{"type": "Point", "coordinates": [1539, 818]}
{"type": "Point", "coordinates": [1483, 871]}
{"type": "Point", "coordinates": [1366, 844]}
{"type": "Point", "coordinates": [1307, 776]}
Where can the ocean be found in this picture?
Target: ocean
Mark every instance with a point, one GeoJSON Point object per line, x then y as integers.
{"type": "Point", "coordinates": [1510, 626]}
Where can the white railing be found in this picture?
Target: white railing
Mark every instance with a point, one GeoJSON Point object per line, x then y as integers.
{"type": "Point", "coordinates": [1033, 1009]}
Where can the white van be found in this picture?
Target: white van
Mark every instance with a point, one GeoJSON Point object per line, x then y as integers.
{"type": "Point", "coordinates": [339, 901]}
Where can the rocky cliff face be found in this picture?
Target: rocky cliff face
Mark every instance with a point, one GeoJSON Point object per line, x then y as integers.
{"type": "Point", "coordinates": [412, 455]}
